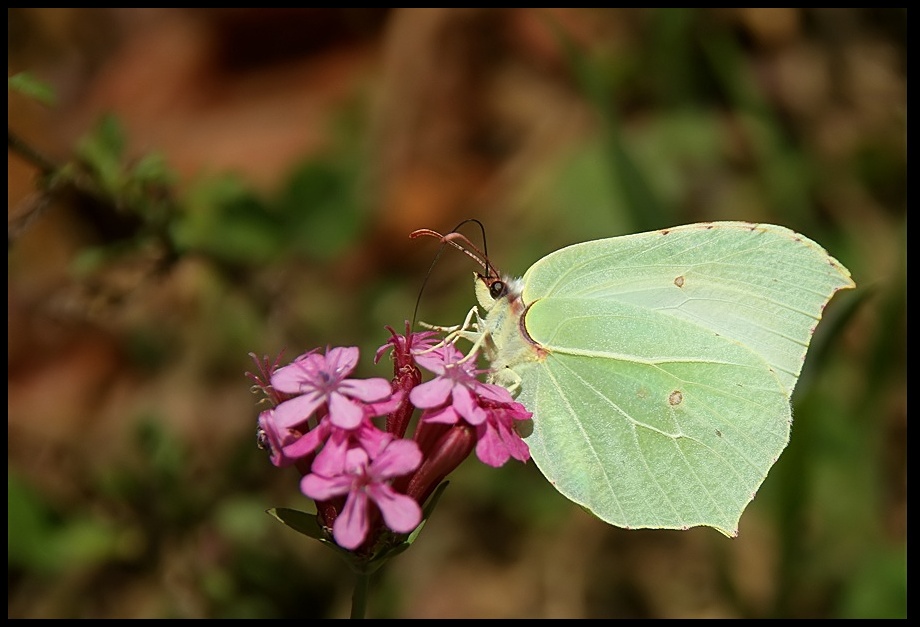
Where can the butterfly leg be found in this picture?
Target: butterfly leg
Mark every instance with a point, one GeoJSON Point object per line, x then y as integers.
{"type": "Point", "coordinates": [457, 328]}
{"type": "Point", "coordinates": [469, 331]}
{"type": "Point", "coordinates": [508, 379]}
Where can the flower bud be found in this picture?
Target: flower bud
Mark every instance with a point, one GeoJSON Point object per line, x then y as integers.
{"type": "Point", "coordinates": [448, 452]}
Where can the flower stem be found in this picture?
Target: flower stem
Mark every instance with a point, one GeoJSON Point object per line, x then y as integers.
{"type": "Point", "coordinates": [359, 596]}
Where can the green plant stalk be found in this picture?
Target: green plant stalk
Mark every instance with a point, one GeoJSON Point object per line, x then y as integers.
{"type": "Point", "coordinates": [359, 596]}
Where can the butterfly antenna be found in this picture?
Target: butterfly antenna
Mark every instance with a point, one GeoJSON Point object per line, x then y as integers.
{"type": "Point", "coordinates": [434, 261]}
{"type": "Point", "coordinates": [461, 243]}
{"type": "Point", "coordinates": [486, 264]}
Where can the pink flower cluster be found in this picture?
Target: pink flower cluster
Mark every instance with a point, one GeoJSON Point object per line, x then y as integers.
{"type": "Point", "coordinates": [366, 479]}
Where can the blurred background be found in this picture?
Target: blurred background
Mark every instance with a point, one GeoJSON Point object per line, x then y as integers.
{"type": "Point", "coordinates": [200, 184]}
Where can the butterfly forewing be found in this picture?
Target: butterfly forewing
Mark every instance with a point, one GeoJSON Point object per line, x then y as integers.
{"type": "Point", "coordinates": [659, 367]}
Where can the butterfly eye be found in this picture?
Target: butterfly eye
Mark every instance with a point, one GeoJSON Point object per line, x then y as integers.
{"type": "Point", "coordinates": [498, 289]}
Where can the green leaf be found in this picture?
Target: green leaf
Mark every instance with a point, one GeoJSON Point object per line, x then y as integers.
{"type": "Point", "coordinates": [301, 522]}
{"type": "Point", "coordinates": [102, 150]}
{"type": "Point", "coordinates": [26, 84]}
{"type": "Point", "coordinates": [224, 219]}
{"type": "Point", "coordinates": [319, 208]}
{"type": "Point", "coordinates": [40, 540]}
{"type": "Point", "coordinates": [153, 168]}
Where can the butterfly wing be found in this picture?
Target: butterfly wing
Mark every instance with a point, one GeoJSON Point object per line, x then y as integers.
{"type": "Point", "coordinates": [662, 395]}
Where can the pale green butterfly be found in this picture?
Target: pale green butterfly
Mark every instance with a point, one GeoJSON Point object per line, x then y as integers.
{"type": "Point", "coordinates": [658, 366]}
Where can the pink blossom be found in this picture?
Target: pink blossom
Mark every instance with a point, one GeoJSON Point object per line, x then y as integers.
{"type": "Point", "coordinates": [435, 358]}
{"type": "Point", "coordinates": [456, 389]}
{"type": "Point", "coordinates": [406, 374]}
{"type": "Point", "coordinates": [321, 379]}
{"type": "Point", "coordinates": [365, 480]}
{"type": "Point", "coordinates": [273, 439]}
{"type": "Point", "coordinates": [407, 347]}
{"type": "Point", "coordinates": [497, 438]}
{"type": "Point", "coordinates": [335, 441]}
{"type": "Point", "coordinates": [457, 394]}
{"type": "Point", "coordinates": [359, 474]}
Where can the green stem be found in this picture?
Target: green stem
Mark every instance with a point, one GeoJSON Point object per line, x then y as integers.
{"type": "Point", "coordinates": [17, 145]}
{"type": "Point", "coordinates": [359, 597]}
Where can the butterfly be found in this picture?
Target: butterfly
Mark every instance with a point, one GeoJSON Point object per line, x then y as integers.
{"type": "Point", "coordinates": [659, 366]}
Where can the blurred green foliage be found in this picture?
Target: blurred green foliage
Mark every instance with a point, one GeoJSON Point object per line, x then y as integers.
{"type": "Point", "coordinates": [25, 83]}
{"type": "Point", "coordinates": [275, 271]}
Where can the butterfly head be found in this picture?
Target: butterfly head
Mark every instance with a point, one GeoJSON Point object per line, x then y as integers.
{"type": "Point", "coordinates": [494, 288]}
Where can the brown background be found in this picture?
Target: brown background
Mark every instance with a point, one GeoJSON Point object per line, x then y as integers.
{"type": "Point", "coordinates": [135, 486]}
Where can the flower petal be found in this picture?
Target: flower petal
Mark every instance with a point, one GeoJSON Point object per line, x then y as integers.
{"type": "Point", "coordinates": [368, 390]}
{"type": "Point", "coordinates": [490, 449]}
{"type": "Point", "coordinates": [309, 441]}
{"type": "Point", "coordinates": [356, 460]}
{"type": "Point", "coordinates": [344, 413]}
{"type": "Point", "coordinates": [330, 461]}
{"type": "Point", "coordinates": [372, 439]}
{"type": "Point", "coordinates": [400, 512]}
{"type": "Point", "coordinates": [292, 412]}
{"type": "Point", "coordinates": [292, 377]}
{"type": "Point", "coordinates": [324, 488]}
{"type": "Point", "coordinates": [517, 447]}
{"type": "Point", "coordinates": [502, 419]}
{"type": "Point", "coordinates": [275, 438]}
{"type": "Point", "coordinates": [431, 393]}
{"type": "Point", "coordinates": [341, 361]}
{"type": "Point", "coordinates": [466, 405]}
{"type": "Point", "coordinates": [350, 527]}
{"type": "Point", "coordinates": [386, 406]}
{"type": "Point", "coordinates": [497, 438]}
{"type": "Point", "coordinates": [445, 415]}
{"type": "Point", "coordinates": [493, 392]}
{"type": "Point", "coordinates": [397, 459]}
{"type": "Point", "coordinates": [436, 360]}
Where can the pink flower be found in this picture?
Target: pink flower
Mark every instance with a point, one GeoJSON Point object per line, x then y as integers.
{"type": "Point", "coordinates": [457, 394]}
{"type": "Point", "coordinates": [405, 345]}
{"type": "Point", "coordinates": [406, 374]}
{"type": "Point", "coordinates": [273, 439]}
{"type": "Point", "coordinates": [335, 441]}
{"type": "Point", "coordinates": [497, 438]}
{"type": "Point", "coordinates": [456, 390]}
{"type": "Point", "coordinates": [364, 480]}
{"type": "Point", "coordinates": [360, 476]}
{"type": "Point", "coordinates": [436, 359]}
{"type": "Point", "coordinates": [318, 380]}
